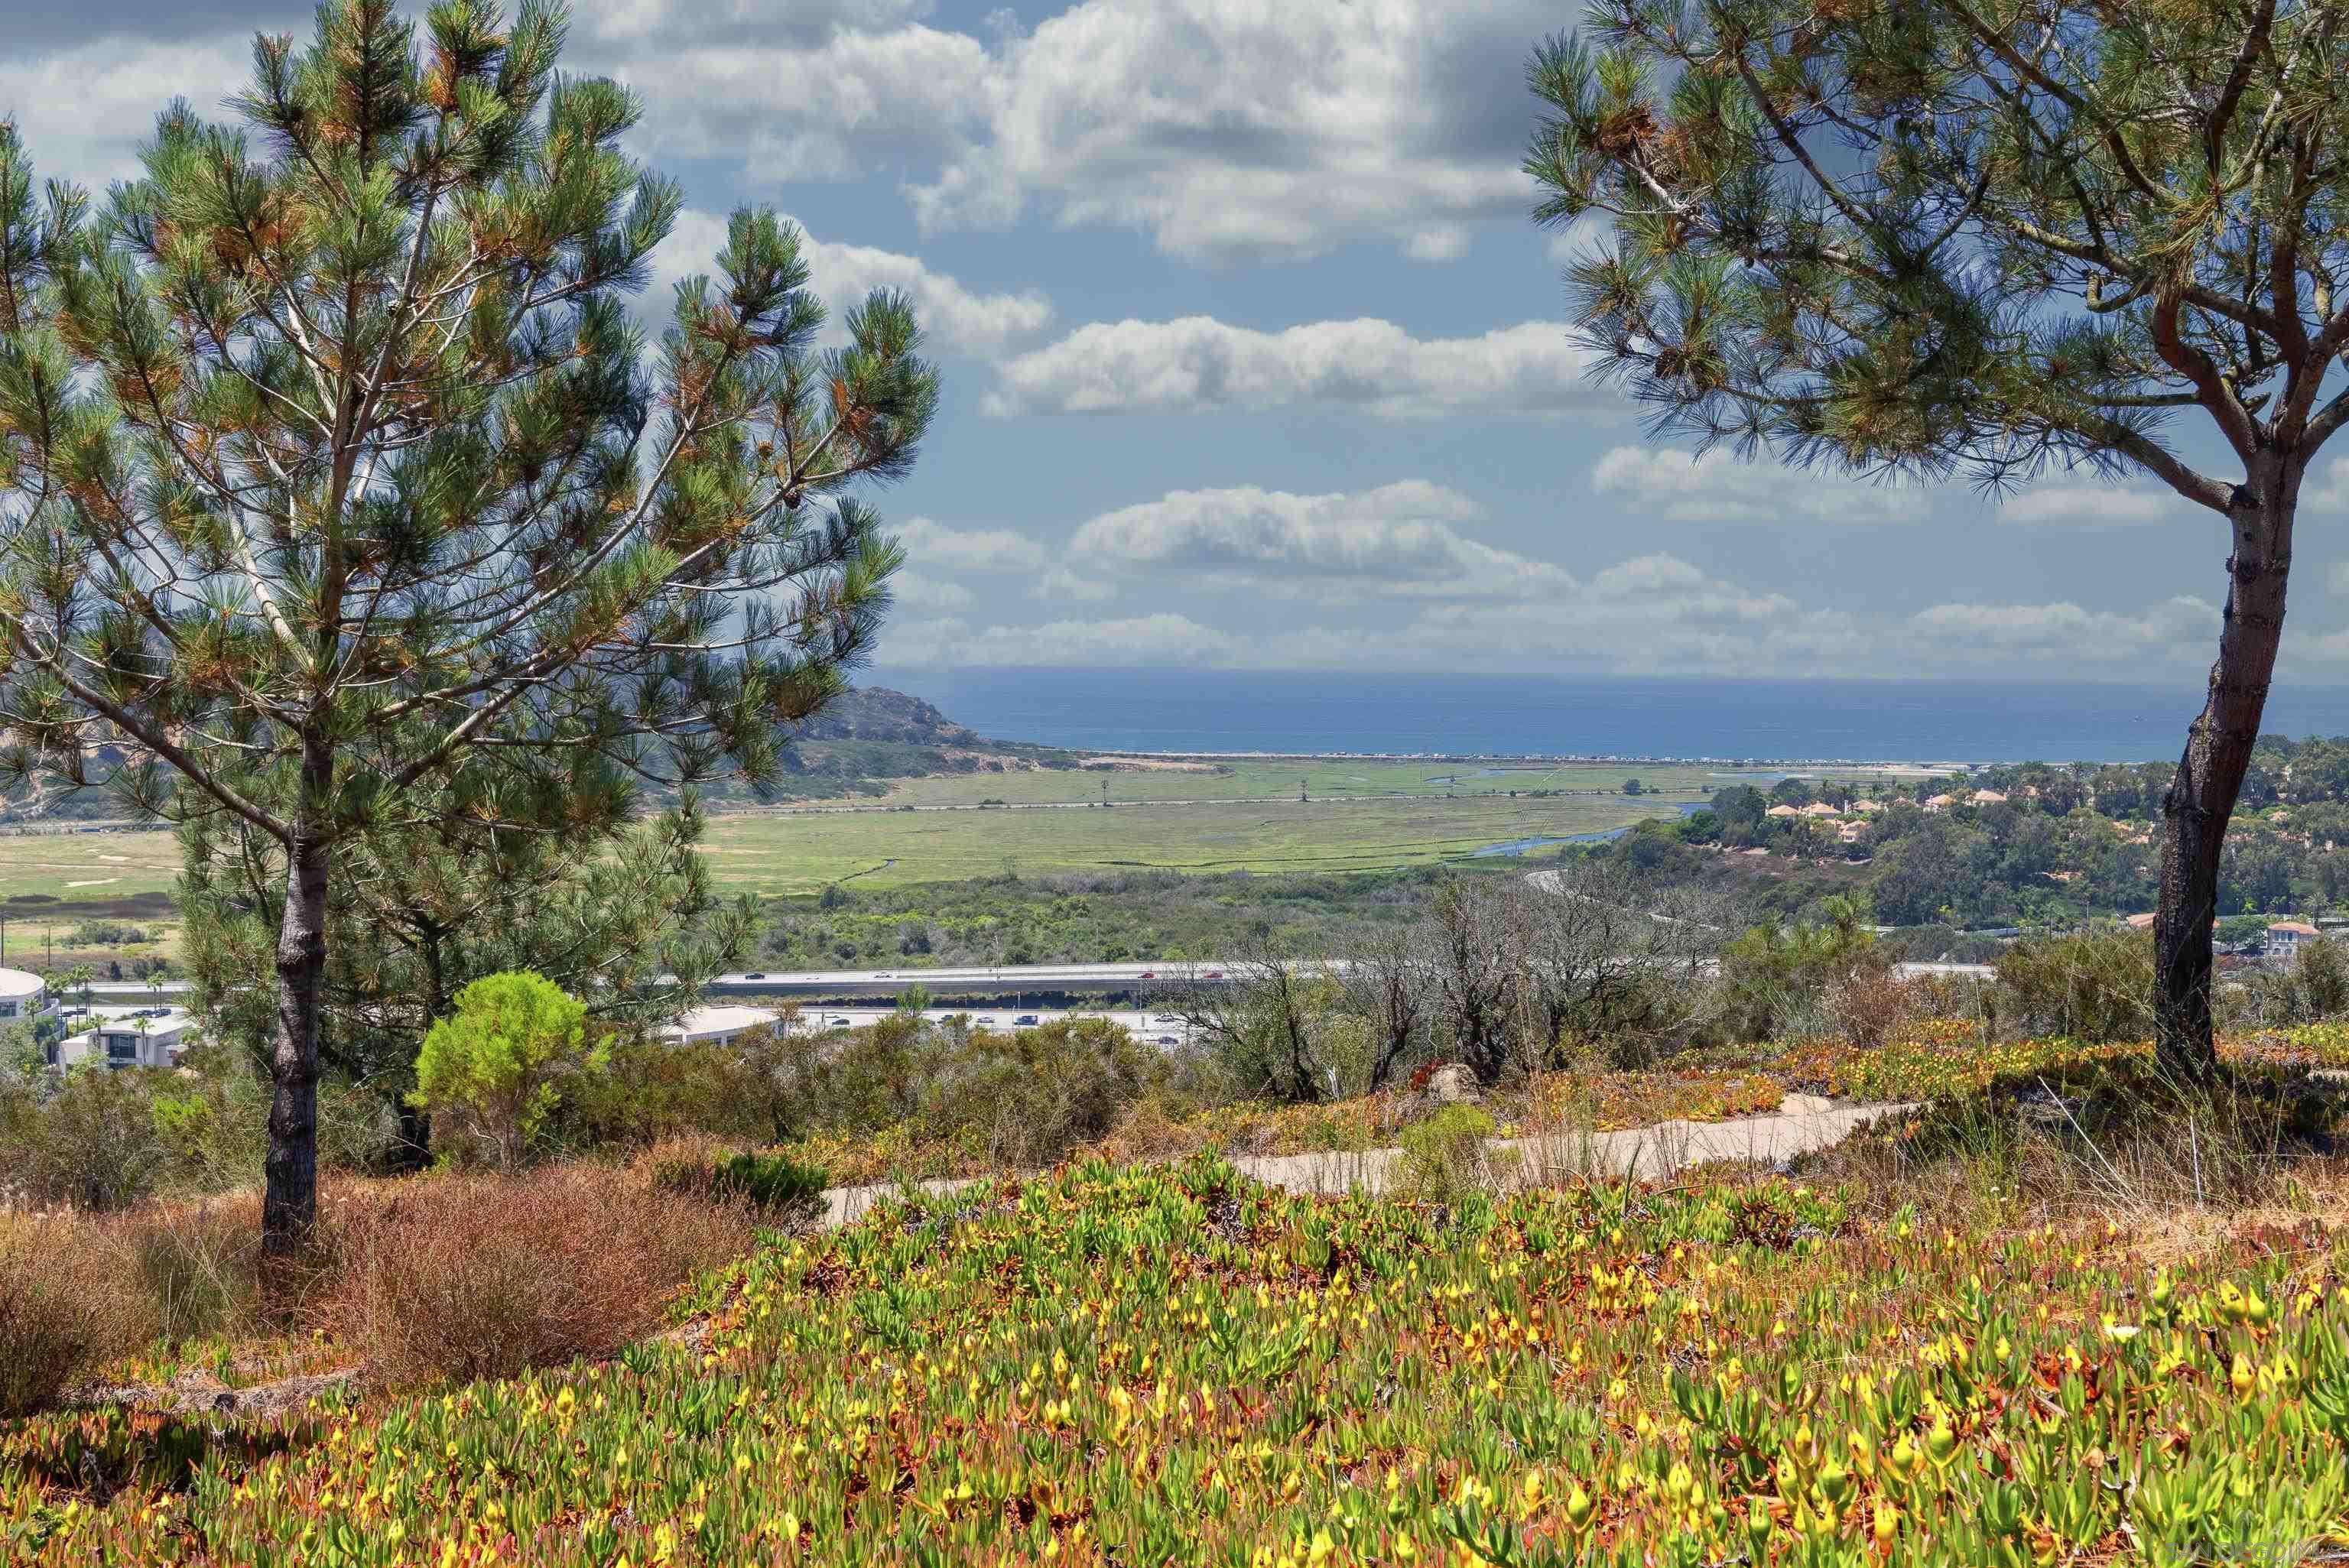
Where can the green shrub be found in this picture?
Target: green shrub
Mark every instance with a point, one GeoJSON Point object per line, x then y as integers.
{"type": "Point", "coordinates": [651, 1090]}
{"type": "Point", "coordinates": [104, 933]}
{"type": "Point", "coordinates": [2089, 986]}
{"type": "Point", "coordinates": [1443, 1156]}
{"type": "Point", "coordinates": [786, 1192]}
{"type": "Point", "coordinates": [1021, 1100]}
{"type": "Point", "coordinates": [1032, 1098]}
{"type": "Point", "coordinates": [2313, 987]}
{"type": "Point", "coordinates": [100, 1139]}
{"type": "Point", "coordinates": [487, 1072]}
{"type": "Point", "coordinates": [92, 1144]}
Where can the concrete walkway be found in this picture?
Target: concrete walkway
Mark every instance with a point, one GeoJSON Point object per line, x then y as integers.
{"type": "Point", "coordinates": [1648, 1153]}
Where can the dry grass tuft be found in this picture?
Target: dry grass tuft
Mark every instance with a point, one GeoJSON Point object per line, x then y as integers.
{"type": "Point", "coordinates": [63, 1313]}
{"type": "Point", "coordinates": [197, 1264]}
{"type": "Point", "coordinates": [462, 1278]}
{"type": "Point", "coordinates": [2118, 1139]}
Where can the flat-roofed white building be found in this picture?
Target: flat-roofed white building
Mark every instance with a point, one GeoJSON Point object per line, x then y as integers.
{"type": "Point", "coordinates": [719, 1025]}
{"type": "Point", "coordinates": [128, 1042]}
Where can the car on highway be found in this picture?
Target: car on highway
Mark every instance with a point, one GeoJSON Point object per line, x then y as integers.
{"type": "Point", "coordinates": [1214, 975]}
{"type": "Point", "coordinates": [755, 974]}
{"type": "Point", "coordinates": [1168, 1040]}
{"type": "Point", "coordinates": [842, 1024]}
{"type": "Point", "coordinates": [984, 1023]}
{"type": "Point", "coordinates": [1150, 975]}
{"type": "Point", "coordinates": [1024, 1021]}
{"type": "Point", "coordinates": [1168, 1018]}
{"type": "Point", "coordinates": [883, 974]}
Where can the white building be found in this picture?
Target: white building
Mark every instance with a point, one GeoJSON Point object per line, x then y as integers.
{"type": "Point", "coordinates": [2285, 937]}
{"type": "Point", "coordinates": [719, 1025]}
{"type": "Point", "coordinates": [23, 994]}
{"type": "Point", "coordinates": [128, 1042]}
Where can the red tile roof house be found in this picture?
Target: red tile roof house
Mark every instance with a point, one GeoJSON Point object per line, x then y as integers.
{"type": "Point", "coordinates": [2285, 937]}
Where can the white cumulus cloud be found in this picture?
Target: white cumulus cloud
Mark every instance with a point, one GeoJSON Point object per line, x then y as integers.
{"type": "Point", "coordinates": [1060, 582]}
{"type": "Point", "coordinates": [1675, 485]}
{"type": "Point", "coordinates": [2065, 504]}
{"type": "Point", "coordinates": [83, 110]}
{"type": "Point", "coordinates": [938, 548]}
{"type": "Point", "coordinates": [1225, 129]}
{"type": "Point", "coordinates": [1230, 130]}
{"type": "Point", "coordinates": [1399, 541]}
{"type": "Point", "coordinates": [2070, 632]}
{"type": "Point", "coordinates": [1198, 364]}
{"type": "Point", "coordinates": [1651, 613]}
{"type": "Point", "coordinates": [1157, 640]}
{"type": "Point", "coordinates": [915, 590]}
{"type": "Point", "coordinates": [790, 91]}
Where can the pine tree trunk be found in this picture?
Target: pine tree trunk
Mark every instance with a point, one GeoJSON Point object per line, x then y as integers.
{"type": "Point", "coordinates": [2202, 796]}
{"type": "Point", "coordinates": [414, 1153]}
{"type": "Point", "coordinates": [289, 1204]}
{"type": "Point", "coordinates": [411, 1153]}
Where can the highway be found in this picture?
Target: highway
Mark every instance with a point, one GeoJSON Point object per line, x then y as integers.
{"type": "Point", "coordinates": [1006, 980]}
{"type": "Point", "coordinates": [1010, 980]}
{"type": "Point", "coordinates": [946, 984]}
{"type": "Point", "coordinates": [1013, 980]}
{"type": "Point", "coordinates": [1161, 1029]}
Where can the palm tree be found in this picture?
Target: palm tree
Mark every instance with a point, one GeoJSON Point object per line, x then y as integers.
{"type": "Point", "coordinates": [77, 981]}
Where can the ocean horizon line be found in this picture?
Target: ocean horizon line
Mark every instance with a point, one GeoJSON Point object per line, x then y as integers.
{"type": "Point", "coordinates": [1809, 720]}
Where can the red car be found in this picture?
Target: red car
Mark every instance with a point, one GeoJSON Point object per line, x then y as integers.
{"type": "Point", "coordinates": [1214, 975]}
{"type": "Point", "coordinates": [1150, 975]}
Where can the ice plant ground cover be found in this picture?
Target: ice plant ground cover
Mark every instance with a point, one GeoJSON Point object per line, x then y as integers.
{"type": "Point", "coordinates": [1134, 1365]}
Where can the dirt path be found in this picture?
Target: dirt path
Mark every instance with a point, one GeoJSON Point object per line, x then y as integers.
{"type": "Point", "coordinates": [1805, 1123]}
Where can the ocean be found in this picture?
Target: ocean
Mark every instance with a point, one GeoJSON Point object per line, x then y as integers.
{"type": "Point", "coordinates": [1472, 715]}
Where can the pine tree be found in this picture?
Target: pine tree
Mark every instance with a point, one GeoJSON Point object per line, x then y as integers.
{"type": "Point", "coordinates": [335, 464]}
{"type": "Point", "coordinates": [506, 872]}
{"type": "Point", "coordinates": [1987, 237]}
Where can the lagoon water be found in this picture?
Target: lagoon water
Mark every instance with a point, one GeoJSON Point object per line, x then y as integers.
{"type": "Point", "coordinates": [1469, 716]}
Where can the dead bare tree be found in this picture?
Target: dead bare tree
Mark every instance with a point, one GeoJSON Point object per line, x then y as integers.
{"type": "Point", "coordinates": [1261, 1017]}
{"type": "Point", "coordinates": [1387, 984]}
{"type": "Point", "coordinates": [1477, 967]}
{"type": "Point", "coordinates": [1614, 957]}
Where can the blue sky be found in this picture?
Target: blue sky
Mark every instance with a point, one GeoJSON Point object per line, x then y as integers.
{"type": "Point", "coordinates": [1253, 359]}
